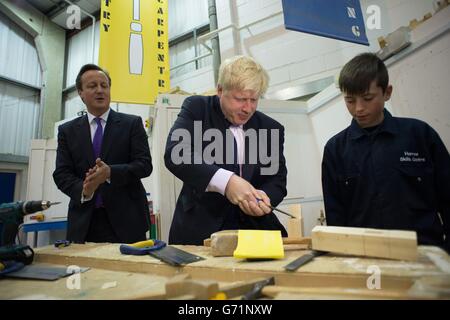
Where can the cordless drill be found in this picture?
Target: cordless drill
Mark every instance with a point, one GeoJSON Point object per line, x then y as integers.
{"type": "Point", "coordinates": [12, 213]}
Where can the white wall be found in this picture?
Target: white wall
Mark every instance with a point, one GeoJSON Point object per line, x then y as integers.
{"type": "Point", "coordinates": [420, 80]}
{"type": "Point", "coordinates": [290, 57]}
{"type": "Point", "coordinates": [198, 81]}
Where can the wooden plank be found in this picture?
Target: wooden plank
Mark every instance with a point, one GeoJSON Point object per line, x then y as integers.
{"type": "Point", "coordinates": [294, 227]}
{"type": "Point", "coordinates": [390, 244]}
{"type": "Point", "coordinates": [181, 285]}
{"type": "Point", "coordinates": [339, 292]}
{"type": "Point", "coordinates": [329, 270]}
{"type": "Point", "coordinates": [94, 284]}
{"type": "Point", "coordinates": [295, 210]}
{"type": "Point", "coordinates": [145, 277]}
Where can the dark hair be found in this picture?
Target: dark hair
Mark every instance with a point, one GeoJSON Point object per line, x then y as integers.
{"type": "Point", "coordinates": [88, 67]}
{"type": "Point", "coordinates": [357, 74]}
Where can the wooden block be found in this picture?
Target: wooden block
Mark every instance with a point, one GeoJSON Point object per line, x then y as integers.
{"type": "Point", "coordinates": [295, 227]}
{"type": "Point", "coordinates": [337, 240]}
{"type": "Point", "coordinates": [223, 243]}
{"type": "Point", "coordinates": [337, 292]}
{"type": "Point", "coordinates": [391, 244]}
{"type": "Point", "coordinates": [297, 240]}
{"type": "Point", "coordinates": [181, 287]}
{"type": "Point", "coordinates": [403, 245]}
{"type": "Point", "coordinates": [295, 210]}
{"type": "Point", "coordinates": [376, 242]}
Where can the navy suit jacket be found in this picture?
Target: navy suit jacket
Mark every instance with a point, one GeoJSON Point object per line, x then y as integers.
{"type": "Point", "coordinates": [125, 149]}
{"type": "Point", "coordinates": [199, 213]}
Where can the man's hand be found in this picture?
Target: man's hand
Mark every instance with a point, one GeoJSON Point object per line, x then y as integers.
{"type": "Point", "coordinates": [102, 173]}
{"type": "Point", "coordinates": [264, 201]}
{"type": "Point", "coordinates": [95, 177]}
{"type": "Point", "coordinates": [242, 193]}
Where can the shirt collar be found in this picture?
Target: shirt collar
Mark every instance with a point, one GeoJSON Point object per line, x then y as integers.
{"type": "Point", "coordinates": [388, 125]}
{"type": "Point", "coordinates": [237, 126]}
{"type": "Point", "coordinates": [104, 116]}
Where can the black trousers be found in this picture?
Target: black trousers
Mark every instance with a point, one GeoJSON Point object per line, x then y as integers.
{"type": "Point", "coordinates": [100, 228]}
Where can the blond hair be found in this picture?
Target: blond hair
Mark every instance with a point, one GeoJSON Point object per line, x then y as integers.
{"type": "Point", "coordinates": [243, 73]}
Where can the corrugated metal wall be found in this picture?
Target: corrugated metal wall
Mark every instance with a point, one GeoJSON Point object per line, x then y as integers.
{"type": "Point", "coordinates": [79, 52]}
{"type": "Point", "coordinates": [19, 106]}
{"type": "Point", "coordinates": [18, 57]}
{"type": "Point", "coordinates": [19, 112]}
{"type": "Point", "coordinates": [185, 15]}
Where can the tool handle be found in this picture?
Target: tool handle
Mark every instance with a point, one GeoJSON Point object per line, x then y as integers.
{"type": "Point", "coordinates": [139, 248]}
{"type": "Point", "coordinates": [143, 244]}
{"type": "Point", "coordinates": [256, 291]}
{"type": "Point", "coordinates": [62, 243]}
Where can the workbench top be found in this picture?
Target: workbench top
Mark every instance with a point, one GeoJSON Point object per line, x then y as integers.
{"type": "Point", "coordinates": [336, 271]}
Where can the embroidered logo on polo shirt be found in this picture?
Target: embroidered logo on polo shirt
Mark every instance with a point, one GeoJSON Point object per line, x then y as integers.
{"type": "Point", "coordinates": [412, 157]}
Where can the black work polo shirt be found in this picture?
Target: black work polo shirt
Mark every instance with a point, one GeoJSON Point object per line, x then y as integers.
{"type": "Point", "coordinates": [395, 177]}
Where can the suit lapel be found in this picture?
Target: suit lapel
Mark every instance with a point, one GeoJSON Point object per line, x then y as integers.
{"type": "Point", "coordinates": [112, 128]}
{"type": "Point", "coordinates": [84, 132]}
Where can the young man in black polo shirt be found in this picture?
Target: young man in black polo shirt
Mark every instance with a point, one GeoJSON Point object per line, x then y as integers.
{"type": "Point", "coordinates": [383, 171]}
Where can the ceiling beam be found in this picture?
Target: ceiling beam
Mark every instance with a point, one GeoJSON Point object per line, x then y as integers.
{"type": "Point", "coordinates": [57, 9]}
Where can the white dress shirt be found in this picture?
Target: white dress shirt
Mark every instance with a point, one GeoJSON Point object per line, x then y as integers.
{"type": "Point", "coordinates": [219, 181]}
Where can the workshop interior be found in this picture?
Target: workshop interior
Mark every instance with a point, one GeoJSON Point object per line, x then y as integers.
{"type": "Point", "coordinates": [355, 209]}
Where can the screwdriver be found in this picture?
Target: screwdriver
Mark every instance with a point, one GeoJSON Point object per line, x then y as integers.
{"type": "Point", "coordinates": [276, 209]}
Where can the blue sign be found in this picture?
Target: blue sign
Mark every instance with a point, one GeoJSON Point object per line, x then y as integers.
{"type": "Point", "coordinates": [337, 19]}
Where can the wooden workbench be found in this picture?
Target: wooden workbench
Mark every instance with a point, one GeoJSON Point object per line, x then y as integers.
{"type": "Point", "coordinates": [144, 276]}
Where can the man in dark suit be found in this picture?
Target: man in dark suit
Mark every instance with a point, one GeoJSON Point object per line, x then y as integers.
{"type": "Point", "coordinates": [101, 158]}
{"type": "Point", "coordinates": [218, 147]}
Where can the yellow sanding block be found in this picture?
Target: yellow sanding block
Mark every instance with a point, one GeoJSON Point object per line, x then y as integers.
{"type": "Point", "coordinates": [259, 244]}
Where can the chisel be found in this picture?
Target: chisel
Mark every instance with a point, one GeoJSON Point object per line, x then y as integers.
{"type": "Point", "coordinates": [297, 263]}
{"type": "Point", "coordinates": [276, 209]}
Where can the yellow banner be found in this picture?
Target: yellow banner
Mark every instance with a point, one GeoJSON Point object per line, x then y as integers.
{"type": "Point", "coordinates": [134, 48]}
